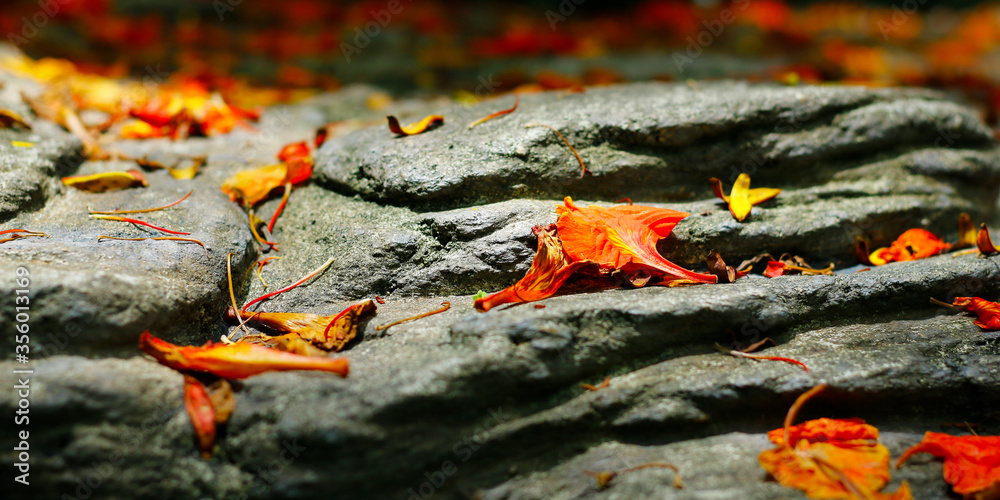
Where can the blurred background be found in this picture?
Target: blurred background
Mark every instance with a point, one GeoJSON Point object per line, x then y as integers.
{"type": "Point", "coordinates": [469, 49]}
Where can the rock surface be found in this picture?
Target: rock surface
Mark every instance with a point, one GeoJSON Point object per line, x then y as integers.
{"type": "Point", "coordinates": [470, 405]}
{"type": "Point", "coordinates": [661, 142]}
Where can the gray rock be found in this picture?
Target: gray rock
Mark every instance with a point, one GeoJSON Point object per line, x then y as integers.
{"type": "Point", "coordinates": [487, 394]}
{"type": "Point", "coordinates": [90, 297]}
{"type": "Point", "coordinates": [462, 403]}
{"type": "Point", "coordinates": [661, 142]}
{"type": "Point", "coordinates": [29, 176]}
{"type": "Point", "coordinates": [388, 250]}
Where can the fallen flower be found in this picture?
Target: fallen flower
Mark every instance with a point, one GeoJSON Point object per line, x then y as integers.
{"type": "Point", "coordinates": [971, 463]}
{"type": "Point", "coordinates": [550, 268]}
{"type": "Point", "coordinates": [718, 267]}
{"type": "Point", "coordinates": [604, 478]}
{"type": "Point", "coordinates": [741, 198]}
{"type": "Point", "coordinates": [623, 238]}
{"type": "Point", "coordinates": [742, 354]}
{"type": "Point", "coordinates": [135, 221]}
{"type": "Point", "coordinates": [602, 385]}
{"type": "Point", "coordinates": [583, 167]}
{"type": "Point", "coordinates": [502, 112]}
{"type": "Point", "coordinates": [235, 361]}
{"type": "Point", "coordinates": [250, 187]}
{"type": "Point", "coordinates": [106, 181]}
{"type": "Point", "coordinates": [141, 211]}
{"type": "Point", "coordinates": [830, 458]}
{"type": "Point", "coordinates": [428, 123]}
{"type": "Point", "coordinates": [327, 333]}
{"type": "Point", "coordinates": [777, 268]}
{"type": "Point", "coordinates": [983, 241]}
{"type": "Point", "coordinates": [444, 307]}
{"type": "Point", "coordinates": [988, 312]}
{"type": "Point", "coordinates": [911, 245]}
{"type": "Point", "coordinates": [201, 411]}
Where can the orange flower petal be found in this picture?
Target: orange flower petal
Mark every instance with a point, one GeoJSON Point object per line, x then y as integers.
{"type": "Point", "coordinates": [623, 238]}
{"type": "Point", "coordinates": [237, 361]}
{"type": "Point", "coordinates": [971, 463]}
{"type": "Point", "coordinates": [202, 413]}
{"type": "Point", "coordinates": [775, 269]}
{"type": "Point", "coordinates": [988, 312]}
{"type": "Point", "coordinates": [252, 186]}
{"type": "Point", "coordinates": [830, 458]}
{"type": "Point", "coordinates": [549, 270]}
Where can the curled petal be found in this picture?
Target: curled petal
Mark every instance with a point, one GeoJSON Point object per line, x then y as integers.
{"type": "Point", "coordinates": [420, 127]}
{"type": "Point", "coordinates": [984, 242]}
{"type": "Point", "coordinates": [106, 181]}
{"type": "Point", "coordinates": [202, 413]}
{"type": "Point", "coordinates": [549, 270]}
{"type": "Point", "coordinates": [328, 333]}
{"type": "Point", "coordinates": [235, 361]}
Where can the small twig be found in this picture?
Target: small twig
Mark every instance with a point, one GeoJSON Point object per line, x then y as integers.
{"type": "Point", "coordinates": [159, 238]}
{"type": "Point", "coordinates": [253, 229]}
{"type": "Point", "coordinates": [602, 385]}
{"type": "Point", "coordinates": [741, 354]}
{"type": "Point", "coordinates": [584, 172]}
{"type": "Point", "coordinates": [281, 207]}
{"type": "Point", "coordinates": [289, 287]}
{"type": "Point", "coordinates": [21, 233]}
{"type": "Point", "coordinates": [144, 210]}
{"type": "Point", "coordinates": [136, 221]}
{"type": "Point", "coordinates": [502, 112]}
{"type": "Point", "coordinates": [260, 267]}
{"type": "Point", "coordinates": [945, 304]}
{"type": "Point", "coordinates": [444, 307]}
{"type": "Point", "coordinates": [232, 297]}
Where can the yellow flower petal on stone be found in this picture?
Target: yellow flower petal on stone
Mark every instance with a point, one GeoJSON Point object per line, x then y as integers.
{"type": "Point", "coordinates": [741, 199]}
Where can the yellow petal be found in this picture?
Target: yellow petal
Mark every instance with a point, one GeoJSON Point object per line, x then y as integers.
{"type": "Point", "coordinates": [739, 198]}
{"type": "Point", "coordinates": [875, 257]}
{"type": "Point", "coordinates": [760, 195]}
{"type": "Point", "coordinates": [106, 181]}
